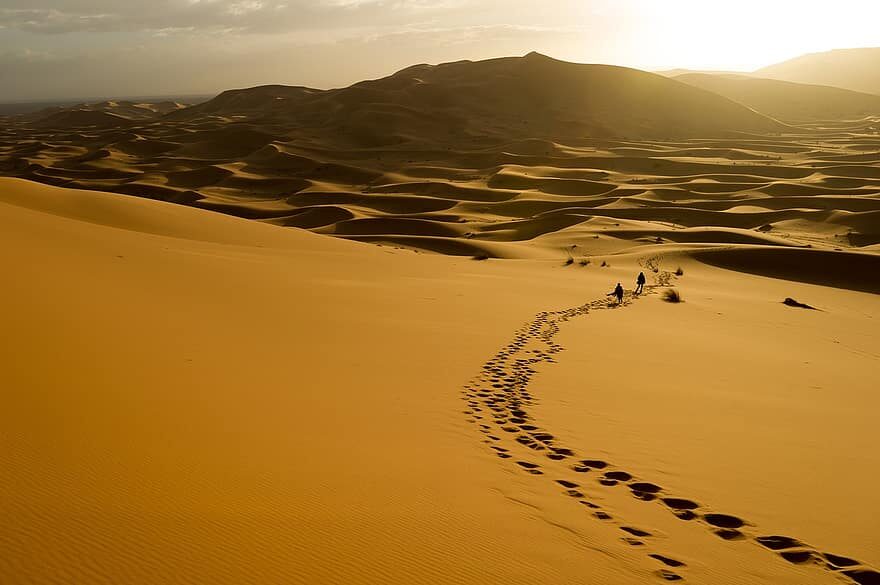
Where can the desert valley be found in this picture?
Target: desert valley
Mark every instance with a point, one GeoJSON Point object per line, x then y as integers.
{"type": "Point", "coordinates": [364, 335]}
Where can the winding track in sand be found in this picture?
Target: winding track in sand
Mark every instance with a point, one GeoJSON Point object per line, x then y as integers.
{"type": "Point", "coordinates": [498, 402]}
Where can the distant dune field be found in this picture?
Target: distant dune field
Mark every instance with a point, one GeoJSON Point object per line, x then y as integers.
{"type": "Point", "coordinates": [508, 157]}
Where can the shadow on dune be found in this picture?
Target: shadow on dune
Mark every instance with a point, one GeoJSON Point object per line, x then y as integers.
{"type": "Point", "coordinates": [848, 270]}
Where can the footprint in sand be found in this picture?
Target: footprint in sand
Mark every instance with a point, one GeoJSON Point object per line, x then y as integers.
{"type": "Point", "coordinates": [839, 561]}
{"type": "Point", "coordinates": [530, 467]}
{"type": "Point", "coordinates": [668, 575]}
{"type": "Point", "coordinates": [594, 464]}
{"type": "Point", "coordinates": [618, 475]}
{"type": "Point", "coordinates": [779, 542]}
{"type": "Point", "coordinates": [612, 478]}
{"type": "Point", "coordinates": [798, 557]}
{"type": "Point", "coordinates": [669, 562]}
{"type": "Point", "coordinates": [730, 534]}
{"type": "Point", "coordinates": [644, 490]}
{"type": "Point", "coordinates": [863, 576]}
{"type": "Point", "coordinates": [727, 525]}
{"type": "Point", "coordinates": [682, 508]}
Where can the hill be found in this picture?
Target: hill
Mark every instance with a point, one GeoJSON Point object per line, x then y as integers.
{"type": "Point", "coordinates": [75, 118]}
{"type": "Point", "coordinates": [105, 114]}
{"type": "Point", "coordinates": [498, 99]}
{"type": "Point", "coordinates": [854, 69]}
{"type": "Point", "coordinates": [788, 101]}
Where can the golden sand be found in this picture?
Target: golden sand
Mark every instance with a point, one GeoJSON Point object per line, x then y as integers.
{"type": "Point", "coordinates": [193, 397]}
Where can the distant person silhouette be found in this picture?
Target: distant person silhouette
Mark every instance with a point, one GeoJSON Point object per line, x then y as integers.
{"type": "Point", "coordinates": [640, 283]}
{"type": "Point", "coordinates": [617, 293]}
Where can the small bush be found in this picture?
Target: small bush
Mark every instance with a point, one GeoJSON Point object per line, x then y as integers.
{"type": "Point", "coordinates": [569, 261]}
{"type": "Point", "coordinates": [793, 303]}
{"type": "Point", "coordinates": [679, 271]}
{"type": "Point", "coordinates": [605, 264]}
{"type": "Point", "coordinates": [672, 296]}
{"type": "Point", "coordinates": [480, 257]}
{"type": "Point", "coordinates": [584, 262]}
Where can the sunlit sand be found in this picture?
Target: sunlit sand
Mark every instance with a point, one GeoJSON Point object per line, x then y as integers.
{"type": "Point", "coordinates": [364, 335]}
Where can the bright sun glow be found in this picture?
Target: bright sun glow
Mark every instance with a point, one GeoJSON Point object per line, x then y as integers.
{"type": "Point", "coordinates": [745, 34]}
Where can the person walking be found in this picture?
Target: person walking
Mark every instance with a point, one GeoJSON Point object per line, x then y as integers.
{"type": "Point", "coordinates": [617, 293]}
{"type": "Point", "coordinates": [640, 283]}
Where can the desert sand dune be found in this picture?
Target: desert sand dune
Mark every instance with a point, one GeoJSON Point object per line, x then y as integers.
{"type": "Point", "coordinates": [82, 118]}
{"type": "Point", "coordinates": [390, 204]}
{"type": "Point", "coordinates": [828, 268]}
{"type": "Point", "coordinates": [853, 69]}
{"type": "Point", "coordinates": [787, 101]}
{"type": "Point", "coordinates": [107, 114]}
{"type": "Point", "coordinates": [516, 191]}
{"type": "Point", "coordinates": [175, 440]}
{"type": "Point", "coordinates": [126, 470]}
{"type": "Point", "coordinates": [313, 217]}
{"type": "Point", "coordinates": [201, 390]}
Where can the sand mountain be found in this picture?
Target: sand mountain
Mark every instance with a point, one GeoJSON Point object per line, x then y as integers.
{"type": "Point", "coordinates": [497, 99]}
{"type": "Point", "coordinates": [788, 101]}
{"type": "Point", "coordinates": [855, 69]}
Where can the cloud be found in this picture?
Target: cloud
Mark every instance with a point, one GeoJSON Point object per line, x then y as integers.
{"type": "Point", "coordinates": [244, 7]}
{"type": "Point", "coordinates": [122, 47]}
{"type": "Point", "coordinates": [252, 16]}
{"type": "Point", "coordinates": [50, 20]}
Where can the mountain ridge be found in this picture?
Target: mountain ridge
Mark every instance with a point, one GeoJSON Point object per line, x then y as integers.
{"type": "Point", "coordinates": [853, 69]}
{"type": "Point", "coordinates": [787, 100]}
{"type": "Point", "coordinates": [506, 98]}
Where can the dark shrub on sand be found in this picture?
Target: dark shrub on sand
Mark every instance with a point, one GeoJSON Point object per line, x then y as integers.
{"type": "Point", "coordinates": [672, 296]}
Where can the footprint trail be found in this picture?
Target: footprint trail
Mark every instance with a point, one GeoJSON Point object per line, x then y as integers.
{"type": "Point", "coordinates": [499, 400]}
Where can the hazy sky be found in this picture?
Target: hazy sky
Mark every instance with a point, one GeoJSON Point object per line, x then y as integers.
{"type": "Point", "coordinates": [92, 48]}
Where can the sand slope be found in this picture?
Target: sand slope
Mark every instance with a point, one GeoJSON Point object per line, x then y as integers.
{"type": "Point", "coordinates": [855, 69]}
{"type": "Point", "coordinates": [197, 398]}
{"type": "Point", "coordinates": [791, 102]}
